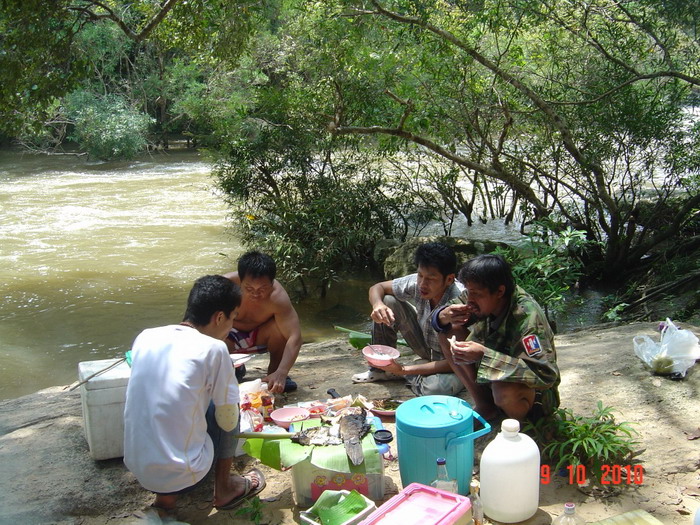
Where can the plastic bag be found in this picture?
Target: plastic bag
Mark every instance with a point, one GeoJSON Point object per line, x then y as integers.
{"type": "Point", "coordinates": [259, 397]}
{"type": "Point", "coordinates": [251, 419]}
{"type": "Point", "coordinates": [675, 353]}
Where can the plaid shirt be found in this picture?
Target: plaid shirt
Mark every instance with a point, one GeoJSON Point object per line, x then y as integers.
{"type": "Point", "coordinates": [406, 289]}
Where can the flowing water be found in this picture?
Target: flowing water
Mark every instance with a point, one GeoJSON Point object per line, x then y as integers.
{"type": "Point", "coordinates": [93, 253]}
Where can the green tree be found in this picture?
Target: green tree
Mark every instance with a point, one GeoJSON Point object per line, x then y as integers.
{"type": "Point", "coordinates": [106, 126]}
{"type": "Point", "coordinates": [115, 47]}
{"type": "Point", "coordinates": [573, 111]}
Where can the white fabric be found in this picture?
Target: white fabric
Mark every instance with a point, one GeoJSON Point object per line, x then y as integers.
{"type": "Point", "coordinates": [176, 372]}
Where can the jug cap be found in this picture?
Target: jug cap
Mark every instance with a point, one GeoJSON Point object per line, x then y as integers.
{"type": "Point", "coordinates": [512, 426]}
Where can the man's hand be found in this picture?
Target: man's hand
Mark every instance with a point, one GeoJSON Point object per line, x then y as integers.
{"type": "Point", "coordinates": [466, 352]}
{"type": "Point", "coordinates": [455, 314]}
{"type": "Point", "coordinates": [382, 314]}
{"type": "Point", "coordinates": [393, 368]}
{"type": "Point", "coordinates": [275, 381]}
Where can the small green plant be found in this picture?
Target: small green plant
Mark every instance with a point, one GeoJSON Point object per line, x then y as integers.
{"type": "Point", "coordinates": [591, 441]}
{"type": "Point", "coordinates": [615, 313]}
{"type": "Point", "coordinates": [251, 510]}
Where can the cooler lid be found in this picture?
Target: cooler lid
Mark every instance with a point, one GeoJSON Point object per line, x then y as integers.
{"type": "Point", "coordinates": [434, 416]}
{"type": "Point", "coordinates": [115, 377]}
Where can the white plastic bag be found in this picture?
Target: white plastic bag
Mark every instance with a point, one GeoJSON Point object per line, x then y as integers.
{"type": "Point", "coordinates": [675, 353]}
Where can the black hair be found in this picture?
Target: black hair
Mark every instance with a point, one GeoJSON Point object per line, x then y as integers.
{"type": "Point", "coordinates": [438, 256]}
{"type": "Point", "coordinates": [489, 271]}
{"type": "Point", "coordinates": [211, 294]}
{"type": "Point", "coordinates": [256, 264]}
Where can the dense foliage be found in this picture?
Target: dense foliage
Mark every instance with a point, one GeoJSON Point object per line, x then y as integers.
{"type": "Point", "coordinates": [337, 122]}
{"type": "Point", "coordinates": [155, 57]}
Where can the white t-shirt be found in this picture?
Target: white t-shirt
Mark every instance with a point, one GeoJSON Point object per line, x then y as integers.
{"type": "Point", "coordinates": [176, 372]}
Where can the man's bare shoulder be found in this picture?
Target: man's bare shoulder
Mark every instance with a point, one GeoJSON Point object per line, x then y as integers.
{"type": "Point", "coordinates": [279, 295]}
{"type": "Point", "coordinates": [233, 276]}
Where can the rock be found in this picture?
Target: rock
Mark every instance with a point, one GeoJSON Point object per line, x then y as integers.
{"type": "Point", "coordinates": [400, 261]}
{"type": "Point", "coordinates": [384, 248]}
{"type": "Point", "coordinates": [49, 477]}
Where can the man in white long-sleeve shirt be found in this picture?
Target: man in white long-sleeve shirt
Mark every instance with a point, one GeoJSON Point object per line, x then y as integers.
{"type": "Point", "coordinates": [182, 399]}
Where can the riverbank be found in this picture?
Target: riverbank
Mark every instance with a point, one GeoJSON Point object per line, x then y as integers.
{"type": "Point", "coordinates": [49, 477]}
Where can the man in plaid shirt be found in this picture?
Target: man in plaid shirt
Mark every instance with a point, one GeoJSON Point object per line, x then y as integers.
{"type": "Point", "coordinates": [405, 305]}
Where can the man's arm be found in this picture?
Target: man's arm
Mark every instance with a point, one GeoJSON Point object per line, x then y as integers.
{"type": "Point", "coordinates": [421, 369]}
{"type": "Point", "coordinates": [288, 324]}
{"type": "Point", "coordinates": [381, 313]}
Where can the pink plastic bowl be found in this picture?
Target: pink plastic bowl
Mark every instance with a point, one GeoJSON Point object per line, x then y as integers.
{"type": "Point", "coordinates": [380, 355]}
{"type": "Point", "coordinates": [283, 417]}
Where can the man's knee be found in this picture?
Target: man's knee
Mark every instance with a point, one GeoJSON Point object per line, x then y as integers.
{"type": "Point", "coordinates": [436, 385]}
{"type": "Point", "coordinates": [512, 396]}
{"type": "Point", "coordinates": [269, 334]}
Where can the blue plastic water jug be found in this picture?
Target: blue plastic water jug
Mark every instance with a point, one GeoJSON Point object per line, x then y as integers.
{"type": "Point", "coordinates": [430, 427]}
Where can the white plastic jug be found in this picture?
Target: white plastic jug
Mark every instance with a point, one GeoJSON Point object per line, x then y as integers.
{"type": "Point", "coordinates": [510, 475]}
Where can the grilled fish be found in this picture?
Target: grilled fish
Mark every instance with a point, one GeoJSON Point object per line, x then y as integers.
{"type": "Point", "coordinates": [321, 435]}
{"type": "Point", "coordinates": [353, 427]}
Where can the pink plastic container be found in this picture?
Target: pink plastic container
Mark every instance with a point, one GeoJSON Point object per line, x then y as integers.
{"type": "Point", "coordinates": [422, 505]}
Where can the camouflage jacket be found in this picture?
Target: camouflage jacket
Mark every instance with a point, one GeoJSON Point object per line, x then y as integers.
{"type": "Point", "coordinates": [521, 348]}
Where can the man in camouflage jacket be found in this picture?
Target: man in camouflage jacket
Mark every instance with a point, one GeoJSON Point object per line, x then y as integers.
{"type": "Point", "coordinates": [506, 356]}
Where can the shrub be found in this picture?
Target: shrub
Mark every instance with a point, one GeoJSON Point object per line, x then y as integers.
{"type": "Point", "coordinates": [591, 441]}
{"type": "Point", "coordinates": [106, 127]}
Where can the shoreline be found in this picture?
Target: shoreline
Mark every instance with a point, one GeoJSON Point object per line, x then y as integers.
{"type": "Point", "coordinates": [50, 478]}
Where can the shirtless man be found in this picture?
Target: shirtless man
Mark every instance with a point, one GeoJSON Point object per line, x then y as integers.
{"type": "Point", "coordinates": [266, 317]}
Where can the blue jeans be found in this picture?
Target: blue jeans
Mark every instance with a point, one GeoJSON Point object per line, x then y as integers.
{"type": "Point", "coordinates": [224, 442]}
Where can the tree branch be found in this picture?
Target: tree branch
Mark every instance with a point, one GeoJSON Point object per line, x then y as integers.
{"type": "Point", "coordinates": [514, 182]}
{"type": "Point", "coordinates": [557, 120]}
{"type": "Point", "coordinates": [111, 15]}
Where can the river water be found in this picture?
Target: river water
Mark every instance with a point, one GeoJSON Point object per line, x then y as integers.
{"type": "Point", "coordinates": [93, 253]}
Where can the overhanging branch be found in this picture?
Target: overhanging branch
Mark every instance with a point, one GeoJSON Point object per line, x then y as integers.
{"type": "Point", "coordinates": [524, 189]}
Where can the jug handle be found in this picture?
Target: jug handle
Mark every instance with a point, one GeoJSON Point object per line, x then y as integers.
{"type": "Point", "coordinates": [478, 433]}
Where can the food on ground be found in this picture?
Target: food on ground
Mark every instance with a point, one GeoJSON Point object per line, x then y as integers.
{"type": "Point", "coordinates": [321, 435]}
{"type": "Point", "coordinates": [387, 405]}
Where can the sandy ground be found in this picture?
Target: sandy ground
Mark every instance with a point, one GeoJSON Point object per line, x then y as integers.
{"type": "Point", "coordinates": [55, 481]}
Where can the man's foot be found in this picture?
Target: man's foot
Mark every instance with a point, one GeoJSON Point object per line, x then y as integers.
{"type": "Point", "coordinates": [247, 486]}
{"type": "Point", "coordinates": [372, 375]}
{"type": "Point", "coordinates": [289, 385]}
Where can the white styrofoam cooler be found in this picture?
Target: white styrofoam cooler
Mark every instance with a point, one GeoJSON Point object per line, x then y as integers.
{"type": "Point", "coordinates": [103, 399]}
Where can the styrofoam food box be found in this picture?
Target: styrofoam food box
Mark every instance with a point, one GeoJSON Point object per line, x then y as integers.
{"type": "Point", "coordinates": [419, 504]}
{"type": "Point", "coordinates": [308, 517]}
{"type": "Point", "coordinates": [309, 481]}
{"type": "Point", "coordinates": [103, 399]}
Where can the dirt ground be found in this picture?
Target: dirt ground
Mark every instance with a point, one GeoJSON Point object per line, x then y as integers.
{"type": "Point", "coordinates": [595, 365]}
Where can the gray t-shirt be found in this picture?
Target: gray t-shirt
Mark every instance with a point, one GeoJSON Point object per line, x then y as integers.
{"type": "Point", "coordinates": [406, 289]}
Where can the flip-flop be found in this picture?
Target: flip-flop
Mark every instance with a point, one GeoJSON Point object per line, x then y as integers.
{"type": "Point", "coordinates": [248, 491]}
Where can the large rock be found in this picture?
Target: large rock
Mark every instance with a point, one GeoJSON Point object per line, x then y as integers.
{"type": "Point", "coordinates": [400, 261]}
